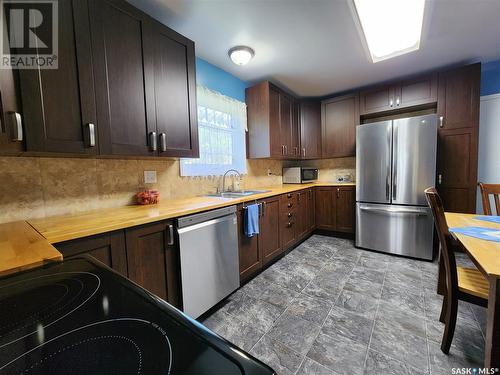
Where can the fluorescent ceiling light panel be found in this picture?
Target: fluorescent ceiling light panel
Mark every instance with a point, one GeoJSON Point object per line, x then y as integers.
{"type": "Point", "coordinates": [391, 27]}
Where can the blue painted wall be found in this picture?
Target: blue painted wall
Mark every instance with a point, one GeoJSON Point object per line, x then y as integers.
{"type": "Point", "coordinates": [490, 78]}
{"type": "Point", "coordinates": [216, 79]}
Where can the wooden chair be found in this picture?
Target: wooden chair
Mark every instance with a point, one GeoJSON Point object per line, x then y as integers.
{"type": "Point", "coordinates": [486, 191]}
{"type": "Point", "coordinates": [466, 284]}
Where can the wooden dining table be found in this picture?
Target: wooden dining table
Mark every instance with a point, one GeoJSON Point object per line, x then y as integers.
{"type": "Point", "coordinates": [486, 256]}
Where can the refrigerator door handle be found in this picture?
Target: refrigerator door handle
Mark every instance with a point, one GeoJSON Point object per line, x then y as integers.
{"type": "Point", "coordinates": [396, 210]}
{"type": "Point", "coordinates": [388, 175]}
{"type": "Point", "coordinates": [394, 160]}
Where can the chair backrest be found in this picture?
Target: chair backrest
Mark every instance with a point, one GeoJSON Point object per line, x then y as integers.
{"type": "Point", "coordinates": [486, 191]}
{"type": "Point", "coordinates": [445, 238]}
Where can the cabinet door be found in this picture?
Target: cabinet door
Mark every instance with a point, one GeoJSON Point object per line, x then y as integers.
{"type": "Point", "coordinates": [339, 119]}
{"type": "Point", "coordinates": [417, 91]}
{"type": "Point", "coordinates": [325, 208]}
{"type": "Point", "coordinates": [286, 124]}
{"type": "Point", "coordinates": [301, 220]}
{"type": "Point", "coordinates": [458, 101]}
{"type": "Point", "coordinates": [275, 142]}
{"type": "Point", "coordinates": [375, 100]}
{"type": "Point", "coordinates": [310, 129]}
{"type": "Point", "coordinates": [311, 210]}
{"type": "Point", "coordinates": [108, 248]}
{"type": "Point", "coordinates": [153, 260]}
{"type": "Point", "coordinates": [58, 104]}
{"type": "Point", "coordinates": [457, 169]}
{"type": "Point", "coordinates": [10, 101]}
{"type": "Point", "coordinates": [344, 209]}
{"type": "Point", "coordinates": [295, 133]}
{"type": "Point", "coordinates": [175, 91]}
{"type": "Point", "coordinates": [250, 253]}
{"type": "Point", "coordinates": [124, 79]}
{"type": "Point", "coordinates": [269, 237]}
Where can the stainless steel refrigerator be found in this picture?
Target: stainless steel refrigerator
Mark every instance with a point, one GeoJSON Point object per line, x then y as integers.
{"type": "Point", "coordinates": [395, 163]}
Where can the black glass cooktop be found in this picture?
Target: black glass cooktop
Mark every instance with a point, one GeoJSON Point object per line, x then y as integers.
{"type": "Point", "coordinates": [78, 317]}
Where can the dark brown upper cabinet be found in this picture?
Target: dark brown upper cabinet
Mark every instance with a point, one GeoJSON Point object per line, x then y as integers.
{"type": "Point", "coordinates": [273, 123]}
{"type": "Point", "coordinates": [310, 129]}
{"type": "Point", "coordinates": [175, 92]}
{"type": "Point", "coordinates": [458, 104]}
{"type": "Point", "coordinates": [412, 92]}
{"type": "Point", "coordinates": [417, 91]}
{"type": "Point", "coordinates": [145, 83]}
{"type": "Point", "coordinates": [340, 116]}
{"type": "Point", "coordinates": [124, 78]}
{"type": "Point", "coordinates": [58, 105]}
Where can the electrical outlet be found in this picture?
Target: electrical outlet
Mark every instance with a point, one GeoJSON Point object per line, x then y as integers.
{"type": "Point", "coordinates": [269, 172]}
{"type": "Point", "coordinates": [150, 177]}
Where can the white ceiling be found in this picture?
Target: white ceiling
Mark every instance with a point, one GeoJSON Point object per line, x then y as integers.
{"type": "Point", "coordinates": [313, 47]}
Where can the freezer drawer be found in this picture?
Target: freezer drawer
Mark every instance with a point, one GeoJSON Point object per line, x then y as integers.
{"type": "Point", "coordinates": [402, 230]}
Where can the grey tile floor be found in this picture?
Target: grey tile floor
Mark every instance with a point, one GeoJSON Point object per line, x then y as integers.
{"type": "Point", "coordinates": [329, 308]}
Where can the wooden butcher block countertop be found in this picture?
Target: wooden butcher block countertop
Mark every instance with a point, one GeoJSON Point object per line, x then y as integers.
{"type": "Point", "coordinates": [68, 227]}
{"type": "Point", "coordinates": [22, 248]}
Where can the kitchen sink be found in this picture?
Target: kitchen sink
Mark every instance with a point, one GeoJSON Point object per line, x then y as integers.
{"type": "Point", "coordinates": [237, 194]}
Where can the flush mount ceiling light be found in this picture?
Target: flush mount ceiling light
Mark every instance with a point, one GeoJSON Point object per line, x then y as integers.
{"type": "Point", "coordinates": [390, 27]}
{"type": "Point", "coordinates": [241, 55]}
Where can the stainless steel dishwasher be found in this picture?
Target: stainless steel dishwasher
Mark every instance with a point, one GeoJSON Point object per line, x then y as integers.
{"type": "Point", "coordinates": [209, 258]}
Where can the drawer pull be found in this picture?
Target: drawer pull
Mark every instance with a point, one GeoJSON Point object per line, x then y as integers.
{"type": "Point", "coordinates": [289, 205]}
{"type": "Point", "coordinates": [289, 214]}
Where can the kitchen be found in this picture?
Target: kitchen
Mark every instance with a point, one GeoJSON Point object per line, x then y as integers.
{"type": "Point", "coordinates": [186, 192]}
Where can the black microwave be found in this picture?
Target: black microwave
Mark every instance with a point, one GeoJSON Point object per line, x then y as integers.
{"type": "Point", "coordinates": [299, 175]}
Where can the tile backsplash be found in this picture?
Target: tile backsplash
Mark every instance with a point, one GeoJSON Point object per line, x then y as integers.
{"type": "Point", "coordinates": [32, 187]}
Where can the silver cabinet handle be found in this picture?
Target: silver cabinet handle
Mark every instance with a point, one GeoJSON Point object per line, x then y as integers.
{"type": "Point", "coordinates": [170, 235]}
{"type": "Point", "coordinates": [397, 101]}
{"type": "Point", "coordinates": [441, 121]}
{"type": "Point", "coordinates": [391, 102]}
{"type": "Point", "coordinates": [282, 149]}
{"type": "Point", "coordinates": [440, 178]}
{"type": "Point", "coordinates": [17, 126]}
{"type": "Point", "coordinates": [338, 193]}
{"type": "Point", "coordinates": [90, 129]}
{"type": "Point", "coordinates": [263, 208]}
{"type": "Point", "coordinates": [153, 144]}
{"type": "Point", "coordinates": [304, 151]}
{"type": "Point", "coordinates": [163, 142]}
{"type": "Point", "coordinates": [286, 150]}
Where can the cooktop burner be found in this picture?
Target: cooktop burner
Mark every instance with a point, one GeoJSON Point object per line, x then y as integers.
{"type": "Point", "coordinates": [116, 346]}
{"type": "Point", "coordinates": [79, 317]}
{"type": "Point", "coordinates": [30, 305]}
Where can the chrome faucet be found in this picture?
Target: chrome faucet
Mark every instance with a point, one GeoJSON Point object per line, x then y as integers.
{"type": "Point", "coordinates": [224, 178]}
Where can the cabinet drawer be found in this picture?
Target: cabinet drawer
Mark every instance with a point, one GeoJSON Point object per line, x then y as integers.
{"type": "Point", "coordinates": [288, 202]}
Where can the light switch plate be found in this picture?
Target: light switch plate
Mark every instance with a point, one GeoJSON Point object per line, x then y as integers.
{"type": "Point", "coordinates": [150, 177]}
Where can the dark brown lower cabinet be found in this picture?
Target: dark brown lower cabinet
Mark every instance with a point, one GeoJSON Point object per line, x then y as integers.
{"type": "Point", "coordinates": [301, 219]}
{"type": "Point", "coordinates": [335, 208]}
{"type": "Point", "coordinates": [250, 253]}
{"type": "Point", "coordinates": [269, 237]}
{"type": "Point", "coordinates": [108, 248]}
{"type": "Point", "coordinates": [457, 169]}
{"type": "Point", "coordinates": [325, 208]}
{"type": "Point", "coordinates": [345, 209]}
{"type": "Point", "coordinates": [153, 261]}
{"type": "Point", "coordinates": [311, 210]}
